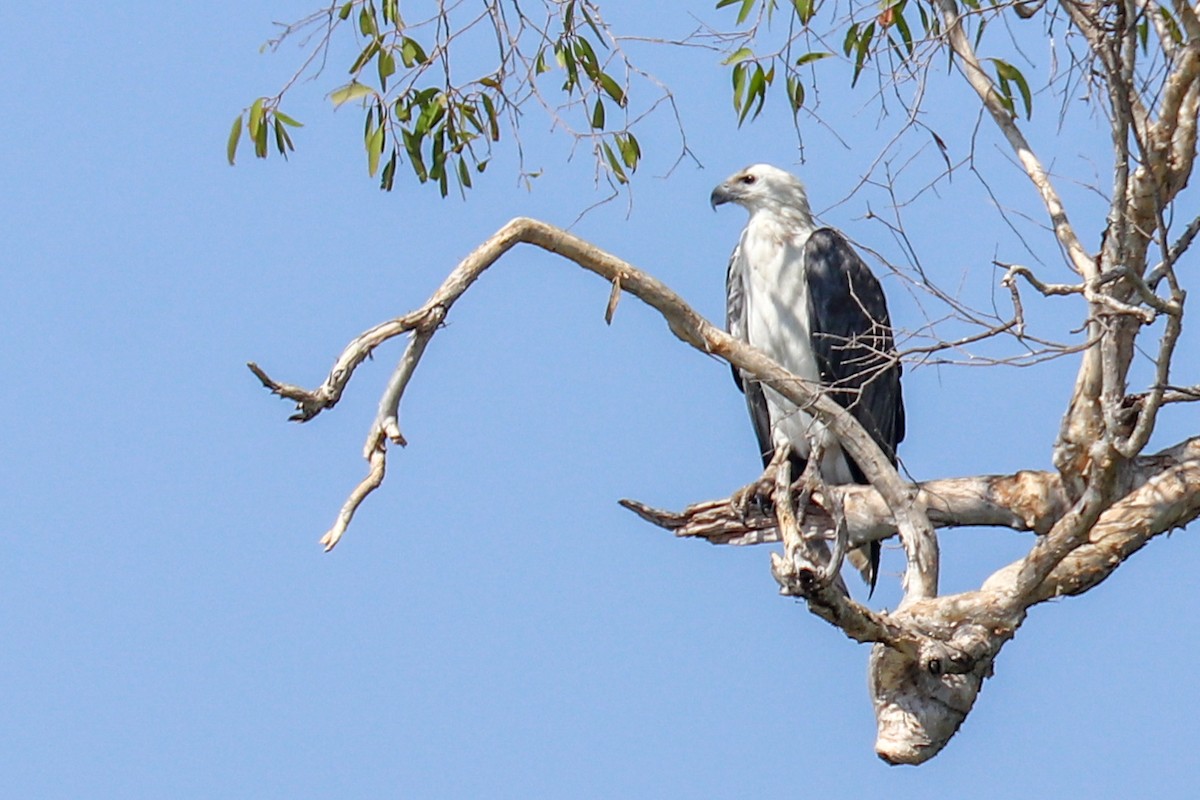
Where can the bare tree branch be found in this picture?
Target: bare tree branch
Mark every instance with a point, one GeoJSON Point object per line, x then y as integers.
{"type": "Point", "coordinates": [915, 531]}
{"type": "Point", "coordinates": [1107, 500]}
{"type": "Point", "coordinates": [1080, 259]}
{"type": "Point", "coordinates": [933, 653]}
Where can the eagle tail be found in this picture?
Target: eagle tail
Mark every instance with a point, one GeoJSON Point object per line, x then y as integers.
{"type": "Point", "coordinates": [865, 559]}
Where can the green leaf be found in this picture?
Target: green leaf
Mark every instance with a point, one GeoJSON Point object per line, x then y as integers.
{"type": "Point", "coordinates": [587, 58]}
{"type": "Point", "coordinates": [235, 136]}
{"type": "Point", "coordinates": [471, 115]}
{"type": "Point", "coordinates": [412, 146]}
{"type": "Point", "coordinates": [1007, 72]}
{"type": "Point", "coordinates": [795, 93]}
{"type": "Point", "coordinates": [260, 142]}
{"type": "Point", "coordinates": [256, 116]}
{"type": "Point", "coordinates": [597, 121]}
{"type": "Point", "coordinates": [464, 174]}
{"type": "Point", "coordinates": [287, 138]}
{"type": "Point", "coordinates": [756, 90]}
{"type": "Point", "coordinates": [387, 67]}
{"type": "Point", "coordinates": [566, 59]}
{"type": "Point", "coordinates": [723, 3]}
{"type": "Point", "coordinates": [631, 151]}
{"type": "Point", "coordinates": [388, 176]}
{"type": "Point", "coordinates": [739, 85]}
{"type": "Point", "coordinates": [809, 58]}
{"type": "Point", "coordinates": [365, 56]}
{"type": "Point", "coordinates": [351, 91]}
{"type": "Point", "coordinates": [437, 156]}
{"type": "Point", "coordinates": [432, 111]}
{"type": "Point", "coordinates": [344, 13]}
{"type": "Point", "coordinates": [609, 85]}
{"type": "Point", "coordinates": [1172, 26]}
{"type": "Point", "coordinates": [286, 120]}
{"type": "Point", "coordinates": [902, 26]}
{"type": "Point", "coordinates": [493, 123]}
{"type": "Point", "coordinates": [738, 56]}
{"type": "Point", "coordinates": [851, 39]}
{"type": "Point", "coordinates": [366, 23]}
{"type": "Point", "coordinates": [374, 150]}
{"type": "Point", "coordinates": [280, 142]}
{"type": "Point", "coordinates": [805, 9]}
{"type": "Point", "coordinates": [591, 23]}
{"type": "Point", "coordinates": [618, 171]}
{"type": "Point", "coordinates": [863, 50]}
{"type": "Point", "coordinates": [411, 53]}
{"type": "Point", "coordinates": [745, 11]}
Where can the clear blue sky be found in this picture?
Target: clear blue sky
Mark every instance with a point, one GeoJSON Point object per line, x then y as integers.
{"type": "Point", "coordinates": [493, 625]}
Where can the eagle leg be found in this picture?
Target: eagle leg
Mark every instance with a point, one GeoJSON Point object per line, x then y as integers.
{"type": "Point", "coordinates": [807, 562]}
{"type": "Point", "coordinates": [760, 492]}
{"type": "Point", "coordinates": [814, 481]}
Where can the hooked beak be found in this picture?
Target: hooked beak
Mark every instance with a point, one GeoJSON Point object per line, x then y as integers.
{"type": "Point", "coordinates": [720, 196]}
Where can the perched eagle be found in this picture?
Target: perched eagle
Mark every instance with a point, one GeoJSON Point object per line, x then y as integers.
{"type": "Point", "coordinates": [801, 295]}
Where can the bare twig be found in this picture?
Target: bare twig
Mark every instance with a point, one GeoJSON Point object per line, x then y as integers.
{"type": "Point", "coordinates": [1079, 258]}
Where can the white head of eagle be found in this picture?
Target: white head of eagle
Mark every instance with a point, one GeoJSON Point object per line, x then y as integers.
{"type": "Point", "coordinates": [800, 294]}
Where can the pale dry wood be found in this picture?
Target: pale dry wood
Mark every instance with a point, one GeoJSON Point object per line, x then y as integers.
{"type": "Point", "coordinates": [933, 653]}
{"type": "Point", "coordinates": [915, 531]}
{"type": "Point", "coordinates": [973, 71]}
{"type": "Point", "coordinates": [1024, 501]}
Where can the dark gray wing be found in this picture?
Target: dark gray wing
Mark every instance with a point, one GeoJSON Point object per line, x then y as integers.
{"type": "Point", "coordinates": [735, 323]}
{"type": "Point", "coordinates": [852, 339]}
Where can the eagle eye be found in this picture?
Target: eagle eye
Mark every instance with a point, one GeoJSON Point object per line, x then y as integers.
{"type": "Point", "coordinates": [748, 179]}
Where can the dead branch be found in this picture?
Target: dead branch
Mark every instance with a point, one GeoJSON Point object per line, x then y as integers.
{"type": "Point", "coordinates": [915, 531]}
{"type": "Point", "coordinates": [933, 653]}
{"type": "Point", "coordinates": [972, 70]}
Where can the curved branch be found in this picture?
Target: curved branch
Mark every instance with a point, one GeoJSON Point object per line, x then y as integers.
{"type": "Point", "coordinates": [933, 653]}
{"type": "Point", "coordinates": [1080, 260]}
{"type": "Point", "coordinates": [915, 530]}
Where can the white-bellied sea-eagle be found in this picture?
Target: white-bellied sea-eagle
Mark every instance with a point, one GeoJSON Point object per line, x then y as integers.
{"type": "Point", "coordinates": [800, 294]}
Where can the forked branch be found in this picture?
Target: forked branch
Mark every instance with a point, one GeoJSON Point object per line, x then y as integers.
{"type": "Point", "coordinates": [915, 530]}
{"type": "Point", "coordinates": [933, 653]}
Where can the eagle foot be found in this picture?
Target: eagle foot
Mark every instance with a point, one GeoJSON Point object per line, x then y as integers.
{"type": "Point", "coordinates": [756, 496]}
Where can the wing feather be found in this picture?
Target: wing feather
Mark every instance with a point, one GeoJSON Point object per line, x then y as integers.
{"type": "Point", "coordinates": [736, 324]}
{"type": "Point", "coordinates": [852, 339]}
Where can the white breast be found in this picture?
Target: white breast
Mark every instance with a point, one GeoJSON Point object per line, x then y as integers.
{"type": "Point", "coordinates": [777, 323]}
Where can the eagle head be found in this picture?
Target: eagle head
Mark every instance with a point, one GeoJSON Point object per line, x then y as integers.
{"type": "Point", "coordinates": [763, 187]}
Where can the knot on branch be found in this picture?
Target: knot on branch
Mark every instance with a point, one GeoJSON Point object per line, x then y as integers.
{"type": "Point", "coordinates": [429, 319]}
{"type": "Point", "coordinates": [917, 712]}
{"type": "Point", "coordinates": [308, 403]}
{"type": "Point", "coordinates": [799, 577]}
{"type": "Point", "coordinates": [967, 648]}
{"type": "Point", "coordinates": [922, 694]}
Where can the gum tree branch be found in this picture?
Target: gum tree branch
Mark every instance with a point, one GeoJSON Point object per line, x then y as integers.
{"type": "Point", "coordinates": [915, 531]}
{"type": "Point", "coordinates": [1081, 261]}
{"type": "Point", "coordinates": [933, 653]}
